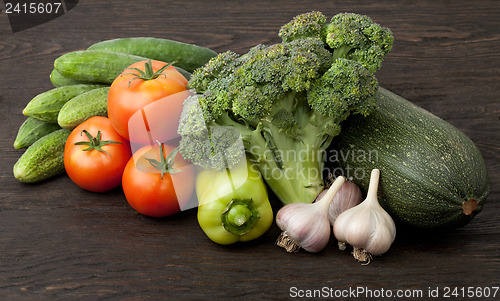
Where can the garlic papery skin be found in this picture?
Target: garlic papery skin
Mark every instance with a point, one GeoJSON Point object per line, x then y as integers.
{"type": "Point", "coordinates": [347, 197]}
{"type": "Point", "coordinates": [367, 227]}
{"type": "Point", "coordinates": [306, 225]}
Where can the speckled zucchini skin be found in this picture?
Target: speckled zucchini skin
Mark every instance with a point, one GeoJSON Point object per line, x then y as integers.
{"type": "Point", "coordinates": [432, 174]}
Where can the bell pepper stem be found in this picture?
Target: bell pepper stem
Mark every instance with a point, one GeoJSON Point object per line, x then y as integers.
{"type": "Point", "coordinates": [239, 216]}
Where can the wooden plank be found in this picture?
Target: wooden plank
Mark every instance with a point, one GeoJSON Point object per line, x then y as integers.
{"type": "Point", "coordinates": [59, 242]}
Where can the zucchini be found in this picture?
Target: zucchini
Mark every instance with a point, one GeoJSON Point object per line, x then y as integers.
{"type": "Point", "coordinates": [82, 107]}
{"type": "Point", "coordinates": [97, 66]}
{"type": "Point", "coordinates": [58, 80]}
{"type": "Point", "coordinates": [31, 130]}
{"type": "Point", "coordinates": [432, 175]}
{"type": "Point", "coordinates": [43, 159]}
{"type": "Point", "coordinates": [46, 106]}
{"type": "Point", "coordinates": [188, 56]}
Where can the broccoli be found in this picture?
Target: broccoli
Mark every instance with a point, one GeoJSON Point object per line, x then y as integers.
{"type": "Point", "coordinates": [348, 35]}
{"type": "Point", "coordinates": [281, 105]}
{"type": "Point", "coordinates": [308, 25]}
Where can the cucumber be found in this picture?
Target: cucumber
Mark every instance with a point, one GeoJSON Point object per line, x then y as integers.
{"type": "Point", "coordinates": [46, 106]}
{"type": "Point", "coordinates": [82, 107]}
{"type": "Point", "coordinates": [58, 80]}
{"type": "Point", "coordinates": [94, 65]}
{"type": "Point", "coordinates": [188, 56]}
{"type": "Point", "coordinates": [97, 66]}
{"type": "Point", "coordinates": [31, 130]}
{"type": "Point", "coordinates": [43, 159]}
{"type": "Point", "coordinates": [432, 175]}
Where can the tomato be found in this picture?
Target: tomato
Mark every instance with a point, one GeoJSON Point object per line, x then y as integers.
{"type": "Point", "coordinates": [141, 84]}
{"type": "Point", "coordinates": [95, 155]}
{"type": "Point", "coordinates": [157, 121]}
{"type": "Point", "coordinates": [154, 189]}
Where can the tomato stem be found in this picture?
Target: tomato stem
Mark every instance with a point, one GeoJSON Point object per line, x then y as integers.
{"type": "Point", "coordinates": [165, 165]}
{"type": "Point", "coordinates": [148, 73]}
{"type": "Point", "coordinates": [95, 143]}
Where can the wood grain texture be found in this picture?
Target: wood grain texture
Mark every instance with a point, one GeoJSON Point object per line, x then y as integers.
{"type": "Point", "coordinates": [58, 242]}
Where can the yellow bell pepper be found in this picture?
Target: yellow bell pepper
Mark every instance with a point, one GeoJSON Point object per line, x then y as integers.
{"type": "Point", "coordinates": [233, 204]}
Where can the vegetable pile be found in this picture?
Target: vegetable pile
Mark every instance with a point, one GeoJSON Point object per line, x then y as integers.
{"type": "Point", "coordinates": [179, 126]}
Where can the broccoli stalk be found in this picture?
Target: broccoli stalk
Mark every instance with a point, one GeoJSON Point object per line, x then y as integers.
{"type": "Point", "coordinates": [281, 105]}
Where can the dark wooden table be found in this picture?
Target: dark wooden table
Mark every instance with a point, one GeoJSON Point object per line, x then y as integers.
{"type": "Point", "coordinates": [60, 242]}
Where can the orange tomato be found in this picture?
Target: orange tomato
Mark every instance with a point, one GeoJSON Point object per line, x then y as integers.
{"type": "Point", "coordinates": [139, 85]}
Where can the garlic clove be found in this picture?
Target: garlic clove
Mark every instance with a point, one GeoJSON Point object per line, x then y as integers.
{"type": "Point", "coordinates": [348, 196]}
{"type": "Point", "coordinates": [355, 233]}
{"type": "Point", "coordinates": [367, 227]}
{"type": "Point", "coordinates": [306, 225]}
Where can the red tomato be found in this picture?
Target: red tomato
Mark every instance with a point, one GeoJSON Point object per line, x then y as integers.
{"type": "Point", "coordinates": [96, 163]}
{"type": "Point", "coordinates": [157, 121]}
{"type": "Point", "coordinates": [151, 192]}
{"type": "Point", "coordinates": [132, 90]}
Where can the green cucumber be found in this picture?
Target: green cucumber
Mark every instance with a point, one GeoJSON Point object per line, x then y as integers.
{"type": "Point", "coordinates": [43, 159]}
{"type": "Point", "coordinates": [46, 106]}
{"type": "Point", "coordinates": [31, 130]}
{"type": "Point", "coordinates": [97, 66]}
{"type": "Point", "coordinates": [432, 175]}
{"type": "Point", "coordinates": [58, 80]}
{"type": "Point", "coordinates": [94, 65]}
{"type": "Point", "coordinates": [82, 107]}
{"type": "Point", "coordinates": [187, 56]}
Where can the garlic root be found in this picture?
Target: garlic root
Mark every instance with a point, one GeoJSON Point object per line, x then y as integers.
{"type": "Point", "coordinates": [287, 243]}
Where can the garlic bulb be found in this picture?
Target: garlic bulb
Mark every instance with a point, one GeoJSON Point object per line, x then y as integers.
{"type": "Point", "coordinates": [367, 227]}
{"type": "Point", "coordinates": [306, 225]}
{"type": "Point", "coordinates": [348, 196]}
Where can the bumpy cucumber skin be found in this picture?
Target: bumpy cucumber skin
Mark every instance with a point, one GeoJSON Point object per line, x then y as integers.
{"type": "Point", "coordinates": [31, 130]}
{"type": "Point", "coordinates": [43, 159]}
{"type": "Point", "coordinates": [58, 80]}
{"type": "Point", "coordinates": [82, 107]}
{"type": "Point", "coordinates": [46, 106]}
{"type": "Point", "coordinates": [188, 56]}
{"type": "Point", "coordinates": [428, 168]}
{"type": "Point", "coordinates": [98, 66]}
{"type": "Point", "coordinates": [94, 65]}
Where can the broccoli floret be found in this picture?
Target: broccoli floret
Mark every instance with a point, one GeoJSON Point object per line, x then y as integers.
{"type": "Point", "coordinates": [280, 104]}
{"type": "Point", "coordinates": [337, 93]}
{"type": "Point", "coordinates": [308, 25]}
{"type": "Point", "coordinates": [347, 35]}
{"type": "Point", "coordinates": [218, 67]}
{"type": "Point", "coordinates": [206, 143]}
{"type": "Point", "coordinates": [284, 121]}
{"type": "Point", "coordinates": [358, 38]}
